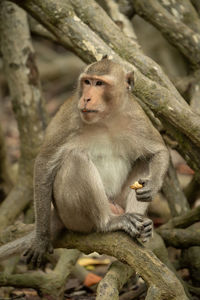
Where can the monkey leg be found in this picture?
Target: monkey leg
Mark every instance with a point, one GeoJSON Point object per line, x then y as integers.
{"type": "Point", "coordinates": [81, 201]}
{"type": "Point", "coordinates": [132, 205]}
{"type": "Point", "coordinates": [79, 194]}
{"type": "Point", "coordinates": [56, 225]}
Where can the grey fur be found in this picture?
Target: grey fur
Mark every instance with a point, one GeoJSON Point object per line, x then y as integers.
{"type": "Point", "coordinates": [84, 167]}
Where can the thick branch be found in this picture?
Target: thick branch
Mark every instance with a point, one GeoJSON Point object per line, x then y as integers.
{"type": "Point", "coordinates": [143, 261]}
{"type": "Point", "coordinates": [24, 85]}
{"type": "Point", "coordinates": [52, 283]}
{"type": "Point", "coordinates": [126, 7]}
{"type": "Point", "coordinates": [112, 8]}
{"type": "Point", "coordinates": [196, 4]}
{"type": "Point", "coordinates": [171, 188]}
{"type": "Point", "coordinates": [5, 180]}
{"type": "Point", "coordinates": [175, 31]}
{"type": "Point", "coordinates": [184, 11]}
{"type": "Point", "coordinates": [164, 101]}
{"type": "Point", "coordinates": [40, 30]}
{"type": "Point", "coordinates": [117, 275]}
{"type": "Point", "coordinates": [180, 238]}
{"type": "Point", "coordinates": [183, 221]}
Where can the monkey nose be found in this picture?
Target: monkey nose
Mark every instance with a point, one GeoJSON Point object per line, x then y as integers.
{"type": "Point", "coordinates": [87, 99]}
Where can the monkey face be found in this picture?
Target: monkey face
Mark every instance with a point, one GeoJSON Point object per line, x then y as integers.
{"type": "Point", "coordinates": [93, 104]}
{"type": "Point", "coordinates": [103, 90]}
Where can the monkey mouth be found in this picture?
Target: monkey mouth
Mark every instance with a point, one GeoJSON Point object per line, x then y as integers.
{"type": "Point", "coordinates": [84, 110]}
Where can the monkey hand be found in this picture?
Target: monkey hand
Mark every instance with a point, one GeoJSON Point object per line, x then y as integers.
{"type": "Point", "coordinates": [35, 254]}
{"type": "Point", "coordinates": [144, 194]}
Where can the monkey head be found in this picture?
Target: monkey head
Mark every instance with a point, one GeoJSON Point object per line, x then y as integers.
{"type": "Point", "coordinates": [103, 90]}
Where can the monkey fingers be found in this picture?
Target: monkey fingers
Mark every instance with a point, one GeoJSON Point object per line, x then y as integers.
{"type": "Point", "coordinates": [138, 217]}
{"type": "Point", "coordinates": [37, 259]}
{"type": "Point", "coordinates": [144, 194]}
{"type": "Point", "coordinates": [134, 223]}
{"type": "Point", "coordinates": [143, 182]}
{"type": "Point", "coordinates": [28, 255]}
{"type": "Point", "coordinates": [126, 222]}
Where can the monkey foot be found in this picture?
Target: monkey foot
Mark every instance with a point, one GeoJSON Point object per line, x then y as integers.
{"type": "Point", "coordinates": [134, 224]}
{"type": "Point", "coordinates": [147, 231]}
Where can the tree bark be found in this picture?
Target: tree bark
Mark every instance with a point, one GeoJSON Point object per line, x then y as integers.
{"type": "Point", "coordinates": [5, 180]}
{"type": "Point", "coordinates": [71, 19]}
{"type": "Point", "coordinates": [23, 80]}
{"type": "Point", "coordinates": [48, 284]}
{"type": "Point", "coordinates": [171, 189]}
{"type": "Point", "coordinates": [117, 275]}
{"type": "Point", "coordinates": [162, 283]}
{"type": "Point", "coordinates": [176, 32]}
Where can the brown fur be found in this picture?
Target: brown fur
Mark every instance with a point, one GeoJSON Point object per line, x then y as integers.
{"type": "Point", "coordinates": [89, 159]}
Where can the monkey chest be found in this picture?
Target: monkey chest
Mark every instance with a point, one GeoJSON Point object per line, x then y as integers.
{"type": "Point", "coordinates": [112, 167]}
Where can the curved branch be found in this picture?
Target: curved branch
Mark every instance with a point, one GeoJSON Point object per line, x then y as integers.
{"type": "Point", "coordinates": [112, 8]}
{"type": "Point", "coordinates": [175, 31]}
{"type": "Point", "coordinates": [184, 11]}
{"type": "Point", "coordinates": [160, 95]}
{"type": "Point", "coordinates": [196, 4]}
{"type": "Point", "coordinates": [171, 188]}
{"type": "Point", "coordinates": [180, 238]}
{"type": "Point", "coordinates": [52, 283]}
{"type": "Point", "coordinates": [158, 277]}
{"type": "Point", "coordinates": [117, 275]}
{"type": "Point", "coordinates": [183, 221]}
{"type": "Point", "coordinates": [27, 102]}
{"type": "Point", "coordinates": [5, 179]}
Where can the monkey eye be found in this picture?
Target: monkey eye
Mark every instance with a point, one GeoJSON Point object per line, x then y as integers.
{"type": "Point", "coordinates": [99, 82]}
{"type": "Point", "coordinates": [87, 81]}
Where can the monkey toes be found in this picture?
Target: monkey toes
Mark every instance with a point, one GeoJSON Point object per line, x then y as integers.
{"type": "Point", "coordinates": [35, 254]}
{"type": "Point", "coordinates": [135, 225]}
{"type": "Point", "coordinates": [144, 226]}
{"type": "Point", "coordinates": [147, 230]}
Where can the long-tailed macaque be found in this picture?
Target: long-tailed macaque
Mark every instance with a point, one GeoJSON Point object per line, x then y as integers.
{"type": "Point", "coordinates": [96, 146]}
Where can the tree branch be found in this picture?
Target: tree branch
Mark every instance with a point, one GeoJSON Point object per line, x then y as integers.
{"type": "Point", "coordinates": [196, 4]}
{"type": "Point", "coordinates": [112, 8]}
{"type": "Point", "coordinates": [159, 95]}
{"type": "Point", "coordinates": [180, 238]}
{"type": "Point", "coordinates": [161, 281]}
{"type": "Point", "coordinates": [28, 105]}
{"type": "Point", "coordinates": [5, 180]}
{"type": "Point", "coordinates": [52, 283]}
{"type": "Point", "coordinates": [175, 31]}
{"type": "Point", "coordinates": [183, 221]}
{"type": "Point", "coordinates": [183, 11]}
{"type": "Point", "coordinates": [117, 275]}
{"type": "Point", "coordinates": [171, 189]}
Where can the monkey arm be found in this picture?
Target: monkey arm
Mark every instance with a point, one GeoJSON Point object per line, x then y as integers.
{"type": "Point", "coordinates": [158, 165]}
{"type": "Point", "coordinates": [43, 180]}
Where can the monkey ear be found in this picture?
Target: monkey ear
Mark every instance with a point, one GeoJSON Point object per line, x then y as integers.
{"type": "Point", "coordinates": [130, 80]}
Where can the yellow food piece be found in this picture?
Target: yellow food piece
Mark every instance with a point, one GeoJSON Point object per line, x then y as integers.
{"type": "Point", "coordinates": [85, 261]}
{"type": "Point", "coordinates": [136, 185]}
